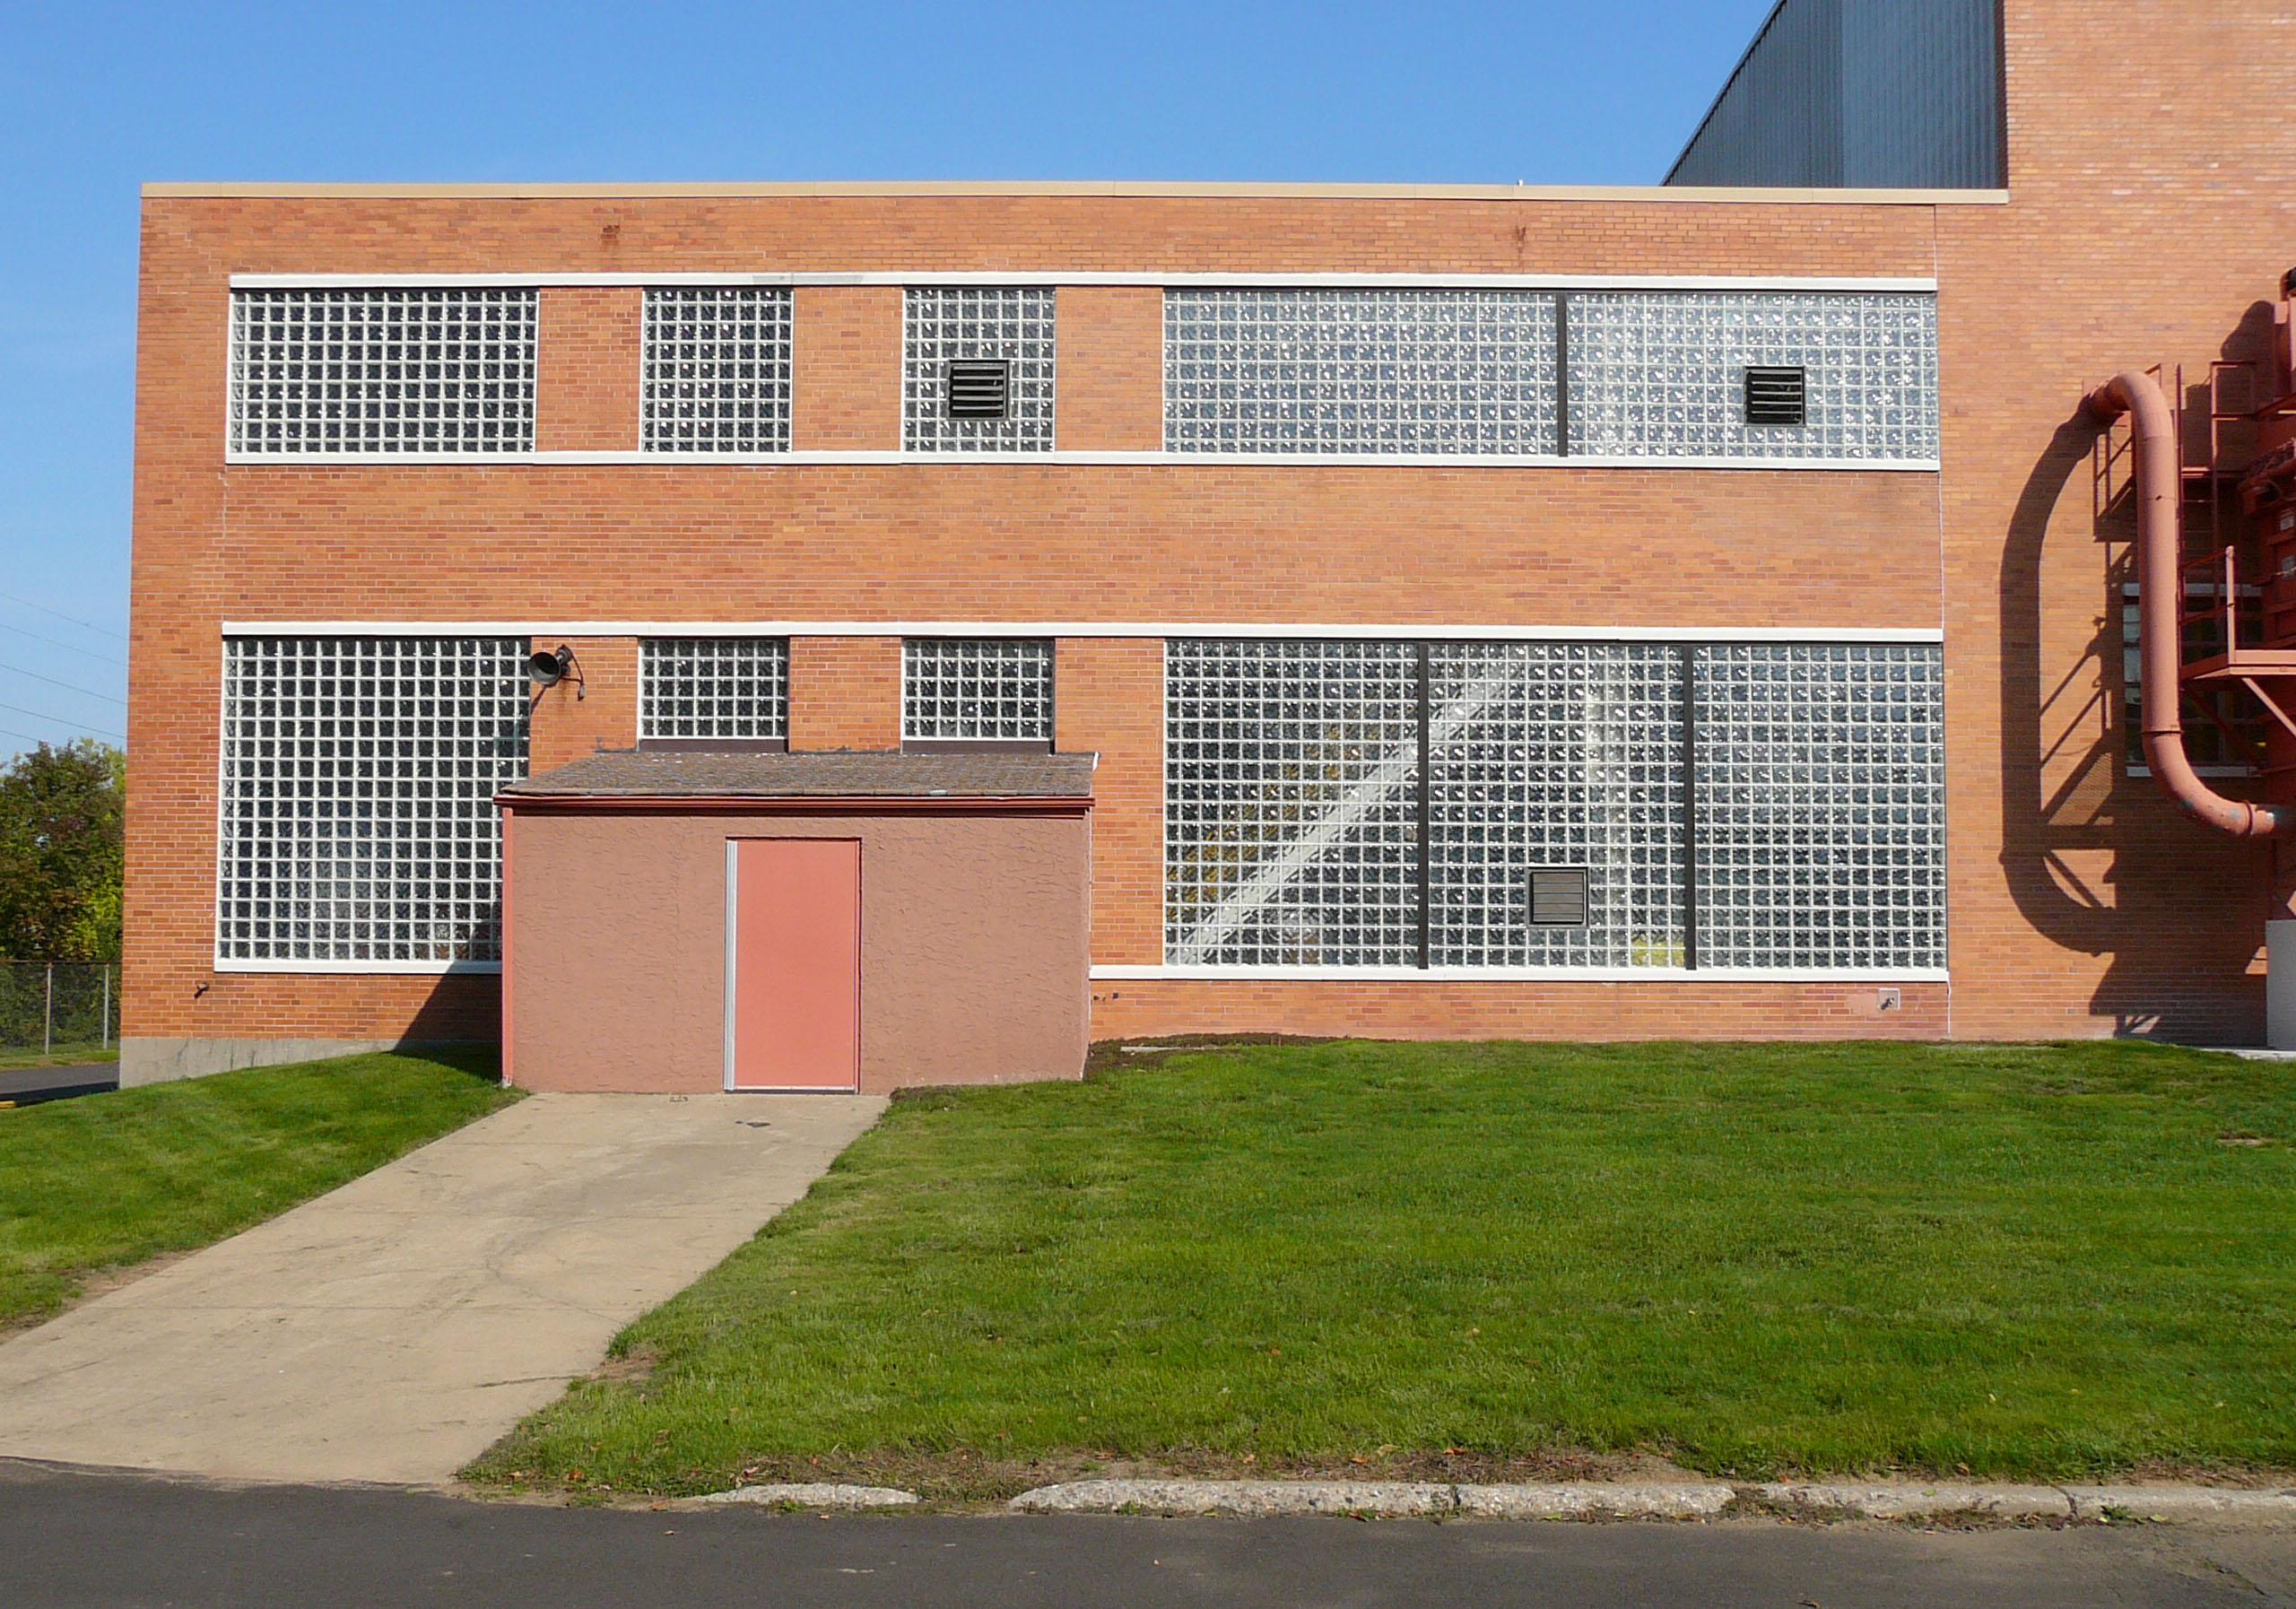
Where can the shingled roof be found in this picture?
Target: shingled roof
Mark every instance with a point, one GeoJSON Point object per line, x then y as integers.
{"type": "Point", "coordinates": [632, 774]}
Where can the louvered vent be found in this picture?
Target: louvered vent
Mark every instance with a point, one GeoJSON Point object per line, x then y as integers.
{"type": "Point", "coordinates": [980, 387]}
{"type": "Point", "coordinates": [1558, 897]}
{"type": "Point", "coordinates": [1776, 397]}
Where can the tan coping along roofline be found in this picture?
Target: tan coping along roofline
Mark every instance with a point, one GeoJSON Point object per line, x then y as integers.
{"type": "Point", "coordinates": [1122, 189]}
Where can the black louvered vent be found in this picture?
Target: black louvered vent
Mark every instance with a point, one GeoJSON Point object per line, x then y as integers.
{"type": "Point", "coordinates": [1558, 897]}
{"type": "Point", "coordinates": [1776, 397]}
{"type": "Point", "coordinates": [981, 388]}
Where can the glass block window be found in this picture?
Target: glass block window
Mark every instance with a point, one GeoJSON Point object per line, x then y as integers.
{"type": "Point", "coordinates": [733, 688]}
{"type": "Point", "coordinates": [1291, 831]}
{"type": "Point", "coordinates": [968, 689]}
{"type": "Point", "coordinates": [1387, 372]}
{"type": "Point", "coordinates": [382, 371]}
{"type": "Point", "coordinates": [716, 370]}
{"type": "Point", "coordinates": [1555, 754]}
{"type": "Point", "coordinates": [1662, 374]}
{"type": "Point", "coordinates": [358, 822]}
{"type": "Point", "coordinates": [1821, 802]}
{"type": "Point", "coordinates": [942, 324]}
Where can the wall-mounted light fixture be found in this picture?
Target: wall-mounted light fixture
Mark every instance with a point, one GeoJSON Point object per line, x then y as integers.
{"type": "Point", "coordinates": [548, 670]}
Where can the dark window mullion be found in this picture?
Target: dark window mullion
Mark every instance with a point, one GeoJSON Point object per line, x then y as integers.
{"type": "Point", "coordinates": [1690, 807]}
{"type": "Point", "coordinates": [1562, 374]}
{"type": "Point", "coordinates": [1426, 878]}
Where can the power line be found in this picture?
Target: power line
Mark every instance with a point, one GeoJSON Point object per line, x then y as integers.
{"type": "Point", "coordinates": [28, 737]}
{"type": "Point", "coordinates": [42, 715]}
{"type": "Point", "coordinates": [101, 630]}
{"type": "Point", "coordinates": [84, 692]}
{"type": "Point", "coordinates": [66, 647]}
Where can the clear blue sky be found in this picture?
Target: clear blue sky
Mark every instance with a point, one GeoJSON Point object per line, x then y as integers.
{"type": "Point", "coordinates": [95, 99]}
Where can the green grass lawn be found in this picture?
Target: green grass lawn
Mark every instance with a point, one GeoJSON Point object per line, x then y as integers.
{"type": "Point", "coordinates": [2042, 1261]}
{"type": "Point", "coordinates": [58, 1056]}
{"type": "Point", "coordinates": [111, 1179]}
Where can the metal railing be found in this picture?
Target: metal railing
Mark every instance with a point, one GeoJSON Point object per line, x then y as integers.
{"type": "Point", "coordinates": [45, 1004]}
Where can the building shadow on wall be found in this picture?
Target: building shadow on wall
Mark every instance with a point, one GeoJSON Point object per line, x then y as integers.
{"type": "Point", "coordinates": [461, 1017]}
{"type": "Point", "coordinates": [2067, 804]}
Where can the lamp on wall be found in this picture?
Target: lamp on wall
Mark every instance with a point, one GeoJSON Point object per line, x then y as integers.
{"type": "Point", "coordinates": [548, 670]}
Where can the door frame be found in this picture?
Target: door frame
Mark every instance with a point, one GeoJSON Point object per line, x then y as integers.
{"type": "Point", "coordinates": [733, 924]}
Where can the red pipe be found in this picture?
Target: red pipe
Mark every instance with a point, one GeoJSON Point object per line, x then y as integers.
{"type": "Point", "coordinates": [2160, 592]}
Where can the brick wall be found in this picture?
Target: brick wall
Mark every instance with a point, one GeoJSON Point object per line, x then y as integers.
{"type": "Point", "coordinates": [1108, 700]}
{"type": "Point", "coordinates": [845, 368]}
{"type": "Point", "coordinates": [2152, 206]}
{"type": "Point", "coordinates": [600, 711]}
{"type": "Point", "coordinates": [586, 369]}
{"type": "Point", "coordinates": [1109, 387]}
{"type": "Point", "coordinates": [844, 694]}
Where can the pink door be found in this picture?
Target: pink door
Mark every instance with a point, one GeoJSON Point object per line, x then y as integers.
{"type": "Point", "coordinates": [793, 963]}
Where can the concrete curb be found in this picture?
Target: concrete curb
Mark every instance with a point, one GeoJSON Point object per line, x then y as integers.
{"type": "Point", "coordinates": [1906, 1502]}
{"type": "Point", "coordinates": [816, 1495]}
{"type": "Point", "coordinates": [2181, 1502]}
{"type": "Point", "coordinates": [1257, 1498]}
{"type": "Point", "coordinates": [1238, 1497]}
{"type": "Point", "coordinates": [1688, 1501]}
{"type": "Point", "coordinates": [1702, 1499]}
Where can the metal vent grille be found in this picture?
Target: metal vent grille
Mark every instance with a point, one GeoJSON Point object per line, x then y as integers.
{"type": "Point", "coordinates": [1558, 897]}
{"type": "Point", "coordinates": [1658, 374]}
{"type": "Point", "coordinates": [979, 387]}
{"type": "Point", "coordinates": [944, 326]}
{"type": "Point", "coordinates": [357, 823]}
{"type": "Point", "coordinates": [716, 370]}
{"type": "Point", "coordinates": [975, 690]}
{"type": "Point", "coordinates": [726, 688]}
{"type": "Point", "coordinates": [1776, 395]}
{"type": "Point", "coordinates": [1387, 372]}
{"type": "Point", "coordinates": [382, 371]}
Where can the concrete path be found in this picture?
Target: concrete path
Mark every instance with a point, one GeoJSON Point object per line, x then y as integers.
{"type": "Point", "coordinates": [394, 1329]}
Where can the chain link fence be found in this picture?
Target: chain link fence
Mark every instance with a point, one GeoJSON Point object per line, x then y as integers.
{"type": "Point", "coordinates": [56, 1006]}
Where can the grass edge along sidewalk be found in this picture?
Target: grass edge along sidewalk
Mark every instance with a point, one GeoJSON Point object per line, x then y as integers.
{"type": "Point", "coordinates": [110, 1180]}
{"type": "Point", "coordinates": [1505, 1260]}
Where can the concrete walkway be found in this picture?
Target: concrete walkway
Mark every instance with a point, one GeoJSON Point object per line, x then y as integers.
{"type": "Point", "coordinates": [394, 1329]}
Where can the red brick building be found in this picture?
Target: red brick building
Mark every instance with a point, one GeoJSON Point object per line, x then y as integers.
{"type": "Point", "coordinates": [1606, 612]}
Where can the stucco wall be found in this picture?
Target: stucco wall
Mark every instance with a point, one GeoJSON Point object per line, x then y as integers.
{"type": "Point", "coordinates": [974, 937]}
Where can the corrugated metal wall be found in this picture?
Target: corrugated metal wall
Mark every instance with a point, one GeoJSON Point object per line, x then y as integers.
{"type": "Point", "coordinates": [1864, 93]}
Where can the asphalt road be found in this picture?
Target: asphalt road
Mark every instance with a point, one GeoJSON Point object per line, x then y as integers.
{"type": "Point", "coordinates": [72, 1539]}
{"type": "Point", "coordinates": [28, 1085]}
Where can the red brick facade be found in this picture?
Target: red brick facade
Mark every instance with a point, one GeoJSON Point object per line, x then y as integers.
{"type": "Point", "coordinates": [2153, 202]}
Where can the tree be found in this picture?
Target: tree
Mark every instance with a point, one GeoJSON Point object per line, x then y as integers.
{"type": "Point", "coordinates": [62, 828]}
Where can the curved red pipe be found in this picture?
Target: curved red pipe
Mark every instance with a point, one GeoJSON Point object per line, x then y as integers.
{"type": "Point", "coordinates": [2159, 589]}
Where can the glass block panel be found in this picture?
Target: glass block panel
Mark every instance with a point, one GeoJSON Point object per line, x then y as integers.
{"type": "Point", "coordinates": [1820, 800]}
{"type": "Point", "coordinates": [725, 687]}
{"type": "Point", "coordinates": [716, 370]}
{"type": "Point", "coordinates": [945, 322]}
{"type": "Point", "coordinates": [358, 776]}
{"type": "Point", "coordinates": [1387, 372]}
{"type": "Point", "coordinates": [382, 371]}
{"type": "Point", "coordinates": [1292, 826]}
{"type": "Point", "coordinates": [1662, 374]}
{"type": "Point", "coordinates": [1555, 754]}
{"type": "Point", "coordinates": [976, 688]}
